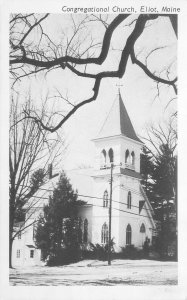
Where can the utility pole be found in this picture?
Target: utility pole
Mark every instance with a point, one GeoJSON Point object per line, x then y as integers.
{"type": "Point", "coordinates": [110, 215]}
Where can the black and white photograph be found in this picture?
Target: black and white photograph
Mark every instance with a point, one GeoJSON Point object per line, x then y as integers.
{"type": "Point", "coordinates": [93, 147]}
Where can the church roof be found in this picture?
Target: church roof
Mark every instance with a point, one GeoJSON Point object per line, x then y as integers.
{"type": "Point", "coordinates": [130, 173]}
{"type": "Point", "coordinates": [118, 122]}
{"type": "Point", "coordinates": [150, 210]}
{"type": "Point", "coordinates": [82, 181]}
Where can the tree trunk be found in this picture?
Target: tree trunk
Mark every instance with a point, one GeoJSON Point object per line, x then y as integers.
{"type": "Point", "coordinates": [10, 252]}
{"type": "Point", "coordinates": [11, 227]}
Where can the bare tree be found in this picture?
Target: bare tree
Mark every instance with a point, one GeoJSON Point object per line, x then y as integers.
{"type": "Point", "coordinates": [30, 152]}
{"type": "Point", "coordinates": [165, 133]}
{"type": "Point", "coordinates": [161, 141]}
{"type": "Point", "coordinates": [33, 50]}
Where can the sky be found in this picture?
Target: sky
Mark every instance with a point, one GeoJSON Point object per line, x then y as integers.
{"type": "Point", "coordinates": [137, 90]}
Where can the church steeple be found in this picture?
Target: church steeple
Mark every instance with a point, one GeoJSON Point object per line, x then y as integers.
{"type": "Point", "coordinates": [118, 122]}
{"type": "Point", "coordinates": [118, 136]}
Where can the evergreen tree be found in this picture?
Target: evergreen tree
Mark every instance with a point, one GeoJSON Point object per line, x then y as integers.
{"type": "Point", "coordinates": [159, 179]}
{"type": "Point", "coordinates": [146, 170]}
{"type": "Point", "coordinates": [57, 233]}
{"type": "Point", "coordinates": [165, 200]}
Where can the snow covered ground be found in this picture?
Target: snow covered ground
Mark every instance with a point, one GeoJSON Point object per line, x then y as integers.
{"type": "Point", "coordinates": [93, 272]}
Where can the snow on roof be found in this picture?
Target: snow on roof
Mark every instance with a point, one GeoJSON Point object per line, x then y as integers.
{"type": "Point", "coordinates": [82, 181]}
{"type": "Point", "coordinates": [41, 197]}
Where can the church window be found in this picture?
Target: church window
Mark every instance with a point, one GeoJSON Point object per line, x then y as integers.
{"type": "Point", "coordinates": [18, 253]}
{"type": "Point", "coordinates": [127, 156]}
{"type": "Point", "coordinates": [31, 253]}
{"type": "Point", "coordinates": [132, 158]}
{"type": "Point", "coordinates": [128, 235]}
{"type": "Point", "coordinates": [19, 235]}
{"type": "Point", "coordinates": [103, 158]}
{"type": "Point", "coordinates": [85, 237]}
{"type": "Point", "coordinates": [105, 199]}
{"type": "Point", "coordinates": [142, 228]}
{"type": "Point", "coordinates": [80, 230]}
{"type": "Point", "coordinates": [111, 155]}
{"type": "Point", "coordinates": [129, 200]}
{"type": "Point", "coordinates": [34, 231]}
{"type": "Point", "coordinates": [104, 234]}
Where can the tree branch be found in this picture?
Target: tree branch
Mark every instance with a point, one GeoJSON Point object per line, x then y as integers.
{"type": "Point", "coordinates": [47, 63]}
{"type": "Point", "coordinates": [151, 75]}
{"type": "Point", "coordinates": [92, 60]}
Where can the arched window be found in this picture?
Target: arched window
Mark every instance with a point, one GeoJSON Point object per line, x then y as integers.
{"type": "Point", "coordinates": [142, 228]}
{"type": "Point", "coordinates": [80, 230]}
{"type": "Point", "coordinates": [127, 156]}
{"type": "Point", "coordinates": [128, 235]}
{"type": "Point", "coordinates": [18, 253]}
{"type": "Point", "coordinates": [104, 234]}
{"type": "Point", "coordinates": [105, 199]}
{"type": "Point", "coordinates": [85, 236]}
{"type": "Point", "coordinates": [19, 234]}
{"type": "Point", "coordinates": [142, 233]}
{"type": "Point", "coordinates": [111, 155]}
{"type": "Point", "coordinates": [103, 158]}
{"type": "Point", "coordinates": [129, 200]}
{"type": "Point", "coordinates": [132, 158]}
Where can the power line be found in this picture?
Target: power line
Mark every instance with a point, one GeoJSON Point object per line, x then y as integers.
{"type": "Point", "coordinates": [94, 197]}
{"type": "Point", "coordinates": [124, 187]}
{"type": "Point", "coordinates": [118, 209]}
{"type": "Point", "coordinates": [116, 202]}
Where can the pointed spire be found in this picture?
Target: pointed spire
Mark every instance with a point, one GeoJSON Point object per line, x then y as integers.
{"type": "Point", "coordinates": [118, 122]}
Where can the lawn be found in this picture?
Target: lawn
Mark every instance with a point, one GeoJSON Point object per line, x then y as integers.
{"type": "Point", "coordinates": [93, 272]}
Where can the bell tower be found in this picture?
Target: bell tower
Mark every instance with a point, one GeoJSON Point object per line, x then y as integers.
{"type": "Point", "coordinates": [117, 141]}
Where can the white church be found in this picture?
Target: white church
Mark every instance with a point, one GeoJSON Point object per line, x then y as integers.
{"type": "Point", "coordinates": [116, 146]}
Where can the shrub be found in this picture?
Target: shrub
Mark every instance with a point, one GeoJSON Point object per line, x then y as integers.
{"type": "Point", "coordinates": [100, 252]}
{"type": "Point", "coordinates": [65, 256]}
{"type": "Point", "coordinates": [131, 252]}
{"type": "Point", "coordinates": [166, 252]}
